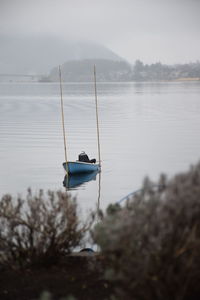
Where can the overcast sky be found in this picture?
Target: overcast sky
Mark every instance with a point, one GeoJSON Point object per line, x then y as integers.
{"type": "Point", "coordinates": [150, 30]}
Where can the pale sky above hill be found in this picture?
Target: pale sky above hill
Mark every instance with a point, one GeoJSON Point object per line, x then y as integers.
{"type": "Point", "coordinates": [150, 30]}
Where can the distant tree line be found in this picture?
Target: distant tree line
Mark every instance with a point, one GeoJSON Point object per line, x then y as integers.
{"type": "Point", "coordinates": [158, 71]}
{"type": "Point", "coordinates": [109, 70]}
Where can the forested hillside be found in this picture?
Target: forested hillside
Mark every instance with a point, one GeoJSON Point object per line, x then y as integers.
{"type": "Point", "coordinates": [111, 70]}
{"type": "Point", "coordinates": [107, 70]}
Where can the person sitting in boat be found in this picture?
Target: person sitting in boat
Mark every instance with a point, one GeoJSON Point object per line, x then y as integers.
{"type": "Point", "coordinates": [84, 158]}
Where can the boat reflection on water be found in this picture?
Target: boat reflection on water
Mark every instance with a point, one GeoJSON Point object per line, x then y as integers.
{"type": "Point", "coordinates": [76, 180]}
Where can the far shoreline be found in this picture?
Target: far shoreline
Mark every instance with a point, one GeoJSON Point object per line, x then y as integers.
{"type": "Point", "coordinates": [182, 79]}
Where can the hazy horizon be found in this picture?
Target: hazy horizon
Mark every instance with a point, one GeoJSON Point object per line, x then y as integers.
{"type": "Point", "coordinates": [149, 30]}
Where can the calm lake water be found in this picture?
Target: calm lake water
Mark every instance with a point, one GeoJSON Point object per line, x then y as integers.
{"type": "Point", "coordinates": [145, 129]}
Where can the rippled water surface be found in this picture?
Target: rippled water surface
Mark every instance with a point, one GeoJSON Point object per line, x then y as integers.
{"type": "Point", "coordinates": [145, 129]}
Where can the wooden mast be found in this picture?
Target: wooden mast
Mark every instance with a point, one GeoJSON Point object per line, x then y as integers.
{"type": "Point", "coordinates": [63, 121]}
{"type": "Point", "coordinates": [97, 118]}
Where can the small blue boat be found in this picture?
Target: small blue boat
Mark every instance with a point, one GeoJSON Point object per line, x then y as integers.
{"type": "Point", "coordinates": [77, 167]}
{"type": "Point", "coordinates": [83, 165]}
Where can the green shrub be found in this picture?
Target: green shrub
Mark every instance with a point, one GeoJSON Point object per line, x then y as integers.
{"type": "Point", "coordinates": [38, 229]}
{"type": "Point", "coordinates": [152, 244]}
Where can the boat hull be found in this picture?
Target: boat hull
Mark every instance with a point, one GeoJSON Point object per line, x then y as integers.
{"type": "Point", "coordinates": [78, 167]}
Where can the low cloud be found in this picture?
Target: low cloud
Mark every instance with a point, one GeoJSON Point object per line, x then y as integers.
{"type": "Point", "coordinates": [151, 30]}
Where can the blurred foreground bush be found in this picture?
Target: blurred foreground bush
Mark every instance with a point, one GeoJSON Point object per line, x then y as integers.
{"type": "Point", "coordinates": [153, 243]}
{"type": "Point", "coordinates": [38, 229]}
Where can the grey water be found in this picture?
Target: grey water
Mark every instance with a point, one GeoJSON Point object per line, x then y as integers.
{"type": "Point", "coordinates": [145, 129]}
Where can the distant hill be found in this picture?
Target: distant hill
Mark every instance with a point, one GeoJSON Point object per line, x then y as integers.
{"type": "Point", "coordinates": [109, 70]}
{"type": "Point", "coordinates": [42, 55]}
{"type": "Point", "coordinates": [39, 54]}
{"type": "Point", "coordinates": [82, 70]}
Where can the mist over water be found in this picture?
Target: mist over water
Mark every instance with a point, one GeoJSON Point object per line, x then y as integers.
{"type": "Point", "coordinates": [149, 30]}
{"type": "Point", "coordinates": [145, 129]}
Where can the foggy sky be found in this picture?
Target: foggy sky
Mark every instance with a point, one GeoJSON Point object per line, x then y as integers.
{"type": "Point", "coordinates": [150, 30]}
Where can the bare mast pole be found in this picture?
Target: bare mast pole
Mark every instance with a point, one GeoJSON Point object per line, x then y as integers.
{"type": "Point", "coordinates": [97, 118]}
{"type": "Point", "coordinates": [63, 121]}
